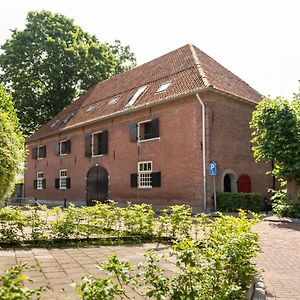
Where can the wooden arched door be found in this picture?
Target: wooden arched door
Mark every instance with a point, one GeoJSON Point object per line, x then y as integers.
{"type": "Point", "coordinates": [96, 185]}
{"type": "Point", "coordinates": [244, 184]}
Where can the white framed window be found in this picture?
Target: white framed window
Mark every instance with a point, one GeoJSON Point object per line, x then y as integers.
{"type": "Point", "coordinates": [39, 180]}
{"type": "Point", "coordinates": [64, 147]}
{"type": "Point", "coordinates": [163, 87]}
{"type": "Point", "coordinates": [144, 174]}
{"type": "Point", "coordinates": [96, 144]}
{"type": "Point", "coordinates": [40, 154]}
{"type": "Point", "coordinates": [136, 95]}
{"type": "Point", "coordinates": [63, 174]}
{"type": "Point", "coordinates": [148, 130]}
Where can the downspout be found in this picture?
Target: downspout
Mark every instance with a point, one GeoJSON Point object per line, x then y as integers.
{"type": "Point", "coordinates": [203, 152]}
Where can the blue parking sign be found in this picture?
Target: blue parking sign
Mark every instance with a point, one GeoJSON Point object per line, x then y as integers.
{"type": "Point", "coordinates": [213, 169]}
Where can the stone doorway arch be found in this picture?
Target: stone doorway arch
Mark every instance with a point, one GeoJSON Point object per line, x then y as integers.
{"type": "Point", "coordinates": [229, 181]}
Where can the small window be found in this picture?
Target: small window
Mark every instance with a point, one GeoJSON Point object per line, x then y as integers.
{"type": "Point", "coordinates": [99, 143]}
{"type": "Point", "coordinates": [39, 180]}
{"type": "Point", "coordinates": [163, 87]}
{"type": "Point", "coordinates": [148, 129]}
{"type": "Point", "coordinates": [91, 108]}
{"type": "Point", "coordinates": [136, 95]}
{"type": "Point", "coordinates": [114, 100]}
{"type": "Point", "coordinates": [64, 147]}
{"type": "Point", "coordinates": [144, 174]}
{"type": "Point", "coordinates": [63, 179]}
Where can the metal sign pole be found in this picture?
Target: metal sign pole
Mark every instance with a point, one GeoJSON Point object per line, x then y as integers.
{"type": "Point", "coordinates": [215, 195]}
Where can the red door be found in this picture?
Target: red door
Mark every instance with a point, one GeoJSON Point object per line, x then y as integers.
{"type": "Point", "coordinates": [244, 184]}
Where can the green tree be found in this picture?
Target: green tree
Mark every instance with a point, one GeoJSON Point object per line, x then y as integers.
{"type": "Point", "coordinates": [11, 144]}
{"type": "Point", "coordinates": [51, 62]}
{"type": "Point", "coordinates": [276, 136]}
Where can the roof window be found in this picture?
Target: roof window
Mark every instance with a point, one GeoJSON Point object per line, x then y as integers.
{"type": "Point", "coordinates": [54, 123]}
{"type": "Point", "coordinates": [91, 107]}
{"type": "Point", "coordinates": [68, 117]}
{"type": "Point", "coordinates": [163, 87]}
{"type": "Point", "coordinates": [136, 95]}
{"type": "Point", "coordinates": [114, 100]}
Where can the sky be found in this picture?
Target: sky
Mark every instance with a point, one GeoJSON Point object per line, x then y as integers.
{"type": "Point", "coordinates": [258, 40]}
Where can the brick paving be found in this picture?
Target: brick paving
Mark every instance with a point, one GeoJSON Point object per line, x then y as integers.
{"type": "Point", "coordinates": [280, 259]}
{"type": "Point", "coordinates": [58, 268]}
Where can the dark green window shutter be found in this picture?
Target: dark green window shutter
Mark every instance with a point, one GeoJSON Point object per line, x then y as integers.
{"type": "Point", "coordinates": [104, 142]}
{"type": "Point", "coordinates": [155, 128]}
{"type": "Point", "coordinates": [57, 183]}
{"type": "Point", "coordinates": [35, 184]}
{"type": "Point", "coordinates": [156, 179]}
{"type": "Point", "coordinates": [68, 146]}
{"type": "Point", "coordinates": [34, 153]}
{"type": "Point", "coordinates": [44, 183]}
{"type": "Point", "coordinates": [56, 147]}
{"type": "Point", "coordinates": [133, 132]}
{"type": "Point", "coordinates": [134, 180]}
{"type": "Point", "coordinates": [68, 182]}
{"type": "Point", "coordinates": [88, 144]}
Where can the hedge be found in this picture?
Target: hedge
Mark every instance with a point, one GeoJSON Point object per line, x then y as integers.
{"type": "Point", "coordinates": [231, 202]}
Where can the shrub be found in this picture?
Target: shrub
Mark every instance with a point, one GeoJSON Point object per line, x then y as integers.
{"type": "Point", "coordinates": [216, 266]}
{"type": "Point", "coordinates": [12, 285]}
{"type": "Point", "coordinates": [282, 207]}
{"type": "Point", "coordinates": [231, 202]}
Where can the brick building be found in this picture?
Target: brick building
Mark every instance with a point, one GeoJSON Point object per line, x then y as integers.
{"type": "Point", "coordinates": [148, 135]}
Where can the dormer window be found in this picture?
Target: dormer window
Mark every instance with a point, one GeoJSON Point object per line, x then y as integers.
{"type": "Point", "coordinates": [136, 95]}
{"type": "Point", "coordinates": [163, 87]}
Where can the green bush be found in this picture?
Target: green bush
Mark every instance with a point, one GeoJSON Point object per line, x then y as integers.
{"type": "Point", "coordinates": [216, 266]}
{"type": "Point", "coordinates": [232, 202]}
{"type": "Point", "coordinates": [282, 207]}
{"type": "Point", "coordinates": [12, 285]}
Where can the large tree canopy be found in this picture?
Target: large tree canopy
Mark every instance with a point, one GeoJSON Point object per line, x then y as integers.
{"type": "Point", "coordinates": [11, 144]}
{"type": "Point", "coordinates": [276, 137]}
{"type": "Point", "coordinates": [52, 61]}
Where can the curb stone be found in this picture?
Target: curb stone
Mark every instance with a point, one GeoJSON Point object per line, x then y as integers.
{"type": "Point", "coordinates": [259, 288]}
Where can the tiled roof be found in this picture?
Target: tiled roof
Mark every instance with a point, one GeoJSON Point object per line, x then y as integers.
{"type": "Point", "coordinates": [188, 69]}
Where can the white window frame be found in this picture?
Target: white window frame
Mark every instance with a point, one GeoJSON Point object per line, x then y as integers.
{"type": "Point", "coordinates": [142, 179]}
{"type": "Point", "coordinates": [114, 100]}
{"type": "Point", "coordinates": [63, 179]}
{"type": "Point", "coordinates": [139, 131]}
{"type": "Point", "coordinates": [60, 147]}
{"type": "Point", "coordinates": [163, 87]}
{"type": "Point", "coordinates": [136, 95]}
{"type": "Point", "coordinates": [94, 133]}
{"type": "Point", "coordinates": [38, 152]}
{"type": "Point", "coordinates": [39, 181]}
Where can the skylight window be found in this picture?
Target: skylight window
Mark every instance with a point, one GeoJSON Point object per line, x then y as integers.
{"type": "Point", "coordinates": [91, 107]}
{"type": "Point", "coordinates": [163, 87]}
{"type": "Point", "coordinates": [136, 95]}
{"type": "Point", "coordinates": [54, 123]}
{"type": "Point", "coordinates": [68, 117]}
{"type": "Point", "coordinates": [114, 100]}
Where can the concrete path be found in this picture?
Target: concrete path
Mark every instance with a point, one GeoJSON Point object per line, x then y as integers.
{"type": "Point", "coordinates": [58, 268]}
{"type": "Point", "coordinates": [280, 259]}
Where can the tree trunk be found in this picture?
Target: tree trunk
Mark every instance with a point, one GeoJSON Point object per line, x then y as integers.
{"type": "Point", "coordinates": [293, 190]}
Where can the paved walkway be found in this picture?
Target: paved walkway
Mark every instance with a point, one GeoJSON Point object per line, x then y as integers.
{"type": "Point", "coordinates": [58, 268]}
{"type": "Point", "coordinates": [280, 259]}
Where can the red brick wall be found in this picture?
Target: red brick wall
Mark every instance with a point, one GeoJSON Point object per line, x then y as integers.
{"type": "Point", "coordinates": [177, 154]}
